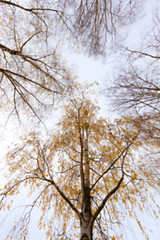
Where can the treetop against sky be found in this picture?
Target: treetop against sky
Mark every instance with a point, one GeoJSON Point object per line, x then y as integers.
{"type": "Point", "coordinates": [86, 168]}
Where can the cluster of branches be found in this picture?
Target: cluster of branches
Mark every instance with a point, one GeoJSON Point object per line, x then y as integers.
{"type": "Point", "coordinates": [31, 71]}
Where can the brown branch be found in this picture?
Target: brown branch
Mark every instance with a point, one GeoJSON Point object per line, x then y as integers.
{"type": "Point", "coordinates": [22, 96]}
{"type": "Point", "coordinates": [15, 185]}
{"type": "Point", "coordinates": [106, 199]}
{"type": "Point", "coordinates": [11, 51]}
{"type": "Point", "coordinates": [62, 15]}
{"type": "Point", "coordinates": [27, 79]}
{"type": "Point", "coordinates": [46, 180]}
{"type": "Point", "coordinates": [64, 197]}
{"type": "Point", "coordinates": [32, 10]}
{"type": "Point", "coordinates": [32, 61]}
{"type": "Point", "coordinates": [29, 39]}
{"type": "Point", "coordinates": [143, 53]}
{"type": "Point", "coordinates": [111, 165]}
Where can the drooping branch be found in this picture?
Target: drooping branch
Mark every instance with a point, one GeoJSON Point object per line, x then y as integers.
{"type": "Point", "coordinates": [32, 61]}
{"type": "Point", "coordinates": [65, 197]}
{"type": "Point", "coordinates": [27, 80]}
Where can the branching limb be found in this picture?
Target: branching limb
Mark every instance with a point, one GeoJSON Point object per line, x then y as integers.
{"type": "Point", "coordinates": [113, 163]}
{"type": "Point", "coordinates": [106, 199]}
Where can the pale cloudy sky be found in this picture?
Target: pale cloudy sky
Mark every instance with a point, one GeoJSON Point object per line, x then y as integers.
{"type": "Point", "coordinates": [100, 70]}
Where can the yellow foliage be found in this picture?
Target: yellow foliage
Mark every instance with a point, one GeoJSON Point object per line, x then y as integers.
{"type": "Point", "coordinates": [85, 150]}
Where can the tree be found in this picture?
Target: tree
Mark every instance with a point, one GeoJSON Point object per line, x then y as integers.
{"type": "Point", "coordinates": [136, 87]}
{"type": "Point", "coordinates": [139, 89]}
{"type": "Point", "coordinates": [94, 22]}
{"type": "Point", "coordinates": [32, 71]}
{"type": "Point", "coordinates": [85, 170]}
{"type": "Point", "coordinates": [137, 84]}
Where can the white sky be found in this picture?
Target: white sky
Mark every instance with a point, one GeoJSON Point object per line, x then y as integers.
{"type": "Point", "coordinates": [101, 70]}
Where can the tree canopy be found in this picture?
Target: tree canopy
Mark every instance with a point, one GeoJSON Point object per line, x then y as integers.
{"type": "Point", "coordinates": [81, 173]}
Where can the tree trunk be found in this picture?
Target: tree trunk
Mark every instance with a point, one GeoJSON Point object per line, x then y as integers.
{"type": "Point", "coordinates": [86, 228]}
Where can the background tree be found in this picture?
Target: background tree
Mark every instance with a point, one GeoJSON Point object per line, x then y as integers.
{"type": "Point", "coordinates": [31, 71]}
{"type": "Point", "coordinates": [94, 22]}
{"type": "Point", "coordinates": [137, 83]}
{"type": "Point", "coordinates": [137, 86]}
{"type": "Point", "coordinates": [81, 174]}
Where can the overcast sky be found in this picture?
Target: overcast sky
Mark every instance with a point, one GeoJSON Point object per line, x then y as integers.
{"type": "Point", "coordinates": [100, 70]}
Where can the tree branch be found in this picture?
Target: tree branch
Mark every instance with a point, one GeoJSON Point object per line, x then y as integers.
{"type": "Point", "coordinates": [143, 53]}
{"type": "Point", "coordinates": [112, 164]}
{"type": "Point", "coordinates": [106, 199]}
{"type": "Point", "coordinates": [64, 197]}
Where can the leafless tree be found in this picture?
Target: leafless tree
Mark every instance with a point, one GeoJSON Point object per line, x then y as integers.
{"type": "Point", "coordinates": [137, 86]}
{"type": "Point", "coordinates": [95, 21]}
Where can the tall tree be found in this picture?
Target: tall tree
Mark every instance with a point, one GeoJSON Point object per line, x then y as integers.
{"type": "Point", "coordinates": [80, 174]}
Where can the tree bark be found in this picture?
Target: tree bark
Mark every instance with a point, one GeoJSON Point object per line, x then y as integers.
{"type": "Point", "coordinates": [86, 227]}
